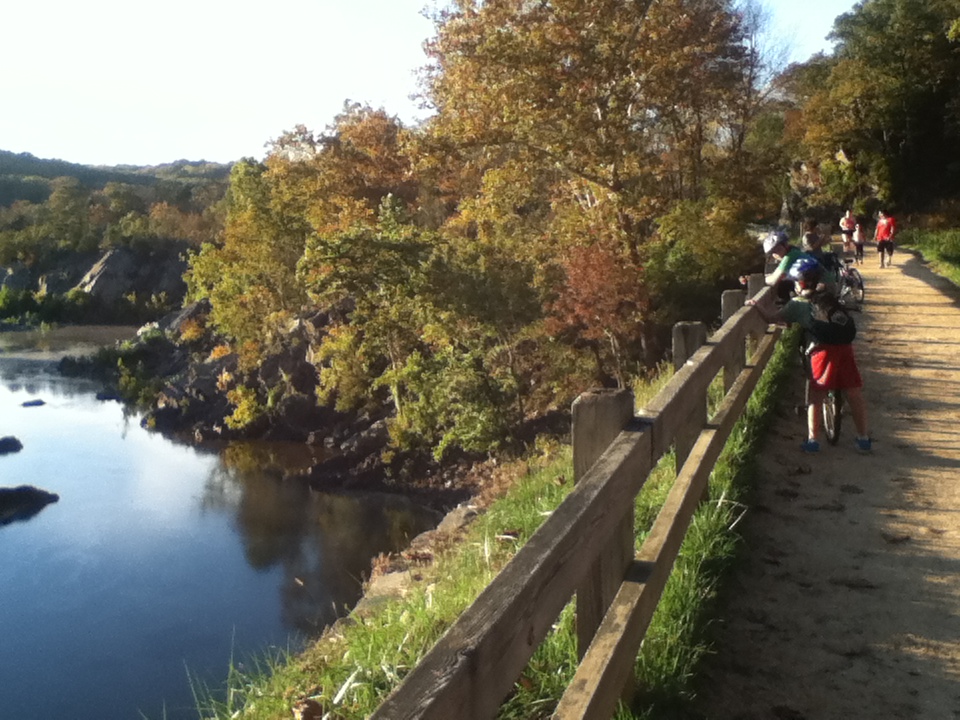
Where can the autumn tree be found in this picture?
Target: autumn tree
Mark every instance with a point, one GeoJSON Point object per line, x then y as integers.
{"type": "Point", "coordinates": [167, 222]}
{"type": "Point", "coordinates": [565, 202]}
{"type": "Point", "coordinates": [583, 123]}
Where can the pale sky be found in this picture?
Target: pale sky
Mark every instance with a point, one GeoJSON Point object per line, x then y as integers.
{"type": "Point", "coordinates": [107, 82]}
{"type": "Point", "coordinates": [804, 24]}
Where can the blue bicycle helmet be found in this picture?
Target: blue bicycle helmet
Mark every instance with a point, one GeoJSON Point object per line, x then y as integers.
{"type": "Point", "coordinates": [806, 270]}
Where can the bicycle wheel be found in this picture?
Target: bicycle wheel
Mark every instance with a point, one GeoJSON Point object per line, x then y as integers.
{"type": "Point", "coordinates": [832, 405]}
{"type": "Point", "coordinates": [855, 281]}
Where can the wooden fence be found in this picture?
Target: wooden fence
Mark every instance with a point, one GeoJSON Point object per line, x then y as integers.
{"type": "Point", "coordinates": [586, 546]}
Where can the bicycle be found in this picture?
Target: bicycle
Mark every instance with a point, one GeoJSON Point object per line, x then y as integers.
{"type": "Point", "coordinates": [832, 415]}
{"type": "Point", "coordinates": [832, 409]}
{"type": "Point", "coordinates": [851, 292]}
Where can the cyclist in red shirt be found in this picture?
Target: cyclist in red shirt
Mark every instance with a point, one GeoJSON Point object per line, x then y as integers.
{"type": "Point", "coordinates": [886, 230]}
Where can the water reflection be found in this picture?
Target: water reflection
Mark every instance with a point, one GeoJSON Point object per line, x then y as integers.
{"type": "Point", "coordinates": [322, 542]}
{"type": "Point", "coordinates": [158, 556]}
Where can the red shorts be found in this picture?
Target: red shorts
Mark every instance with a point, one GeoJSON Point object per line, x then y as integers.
{"type": "Point", "coordinates": [834, 367]}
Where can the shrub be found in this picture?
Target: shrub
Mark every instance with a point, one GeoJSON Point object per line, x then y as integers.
{"type": "Point", "coordinates": [192, 329]}
{"type": "Point", "coordinates": [219, 351]}
{"type": "Point", "coordinates": [246, 407]}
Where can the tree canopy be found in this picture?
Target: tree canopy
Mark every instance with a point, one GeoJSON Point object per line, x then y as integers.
{"type": "Point", "coordinates": [51, 207]}
{"type": "Point", "coordinates": [575, 192]}
{"type": "Point", "coordinates": [587, 179]}
{"type": "Point", "coordinates": [881, 116]}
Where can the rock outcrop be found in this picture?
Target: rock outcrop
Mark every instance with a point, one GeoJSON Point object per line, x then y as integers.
{"type": "Point", "coordinates": [193, 403]}
{"type": "Point", "coordinates": [23, 502]}
{"type": "Point", "coordinates": [16, 277]}
{"type": "Point", "coordinates": [123, 271]}
{"type": "Point", "coordinates": [10, 444]}
{"type": "Point", "coordinates": [108, 276]}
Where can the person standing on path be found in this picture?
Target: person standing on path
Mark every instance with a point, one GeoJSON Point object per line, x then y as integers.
{"type": "Point", "coordinates": [886, 231]}
{"type": "Point", "coordinates": [848, 224]}
{"type": "Point", "coordinates": [859, 239]}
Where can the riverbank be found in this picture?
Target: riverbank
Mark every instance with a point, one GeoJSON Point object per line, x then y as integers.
{"type": "Point", "coordinates": [417, 594]}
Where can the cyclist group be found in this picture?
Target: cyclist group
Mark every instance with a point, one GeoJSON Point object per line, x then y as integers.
{"type": "Point", "coordinates": [810, 283]}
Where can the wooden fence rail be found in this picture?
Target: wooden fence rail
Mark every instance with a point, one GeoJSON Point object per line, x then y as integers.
{"type": "Point", "coordinates": [586, 546]}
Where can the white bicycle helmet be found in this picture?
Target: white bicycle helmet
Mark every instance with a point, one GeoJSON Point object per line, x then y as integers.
{"type": "Point", "coordinates": [772, 240]}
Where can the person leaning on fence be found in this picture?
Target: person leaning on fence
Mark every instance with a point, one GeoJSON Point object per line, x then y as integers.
{"type": "Point", "coordinates": [812, 242]}
{"type": "Point", "coordinates": [828, 332]}
{"type": "Point", "coordinates": [777, 246]}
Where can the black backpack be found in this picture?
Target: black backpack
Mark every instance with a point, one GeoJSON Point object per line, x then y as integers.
{"type": "Point", "coordinates": [832, 324]}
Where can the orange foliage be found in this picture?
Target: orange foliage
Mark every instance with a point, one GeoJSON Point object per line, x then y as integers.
{"type": "Point", "coordinates": [219, 351]}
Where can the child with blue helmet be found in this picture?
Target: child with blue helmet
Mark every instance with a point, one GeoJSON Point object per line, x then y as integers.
{"type": "Point", "coordinates": [832, 364]}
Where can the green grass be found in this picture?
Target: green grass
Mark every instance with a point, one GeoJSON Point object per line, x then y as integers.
{"type": "Point", "coordinates": [940, 248]}
{"type": "Point", "coordinates": [351, 670]}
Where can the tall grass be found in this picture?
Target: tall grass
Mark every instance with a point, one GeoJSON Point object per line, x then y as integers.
{"type": "Point", "coordinates": [350, 670]}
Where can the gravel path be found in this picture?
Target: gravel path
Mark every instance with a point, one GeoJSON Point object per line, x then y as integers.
{"type": "Point", "coordinates": [847, 604]}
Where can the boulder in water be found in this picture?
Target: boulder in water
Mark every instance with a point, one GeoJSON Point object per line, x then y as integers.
{"type": "Point", "coordinates": [10, 444]}
{"type": "Point", "coordinates": [23, 502]}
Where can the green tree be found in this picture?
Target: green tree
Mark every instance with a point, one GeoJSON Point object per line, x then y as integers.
{"type": "Point", "coordinates": [250, 274]}
{"type": "Point", "coordinates": [419, 329]}
{"type": "Point", "coordinates": [66, 222]}
{"type": "Point", "coordinates": [887, 111]}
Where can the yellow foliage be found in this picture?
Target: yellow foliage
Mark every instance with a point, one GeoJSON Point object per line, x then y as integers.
{"type": "Point", "coordinates": [246, 407]}
{"type": "Point", "coordinates": [192, 329]}
{"type": "Point", "coordinates": [224, 380]}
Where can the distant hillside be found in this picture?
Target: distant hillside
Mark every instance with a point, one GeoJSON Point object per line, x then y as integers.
{"type": "Point", "coordinates": [26, 177]}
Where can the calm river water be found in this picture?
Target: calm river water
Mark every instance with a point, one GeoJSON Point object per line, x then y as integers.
{"type": "Point", "coordinates": [159, 562]}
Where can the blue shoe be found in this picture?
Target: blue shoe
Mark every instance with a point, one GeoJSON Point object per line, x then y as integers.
{"type": "Point", "coordinates": [810, 446]}
{"type": "Point", "coordinates": [864, 444]}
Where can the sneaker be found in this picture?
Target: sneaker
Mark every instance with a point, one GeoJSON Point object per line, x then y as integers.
{"type": "Point", "coordinates": [810, 446]}
{"type": "Point", "coordinates": [864, 444]}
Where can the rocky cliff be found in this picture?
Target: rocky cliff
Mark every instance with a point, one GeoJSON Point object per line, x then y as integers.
{"type": "Point", "coordinates": [107, 277]}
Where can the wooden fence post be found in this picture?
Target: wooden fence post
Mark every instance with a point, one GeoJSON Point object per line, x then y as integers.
{"type": "Point", "coordinates": [755, 283]}
{"type": "Point", "coordinates": [688, 337]}
{"type": "Point", "coordinates": [731, 301]}
{"type": "Point", "coordinates": [598, 417]}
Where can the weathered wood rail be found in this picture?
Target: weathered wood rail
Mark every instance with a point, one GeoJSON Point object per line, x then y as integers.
{"type": "Point", "coordinates": [586, 546]}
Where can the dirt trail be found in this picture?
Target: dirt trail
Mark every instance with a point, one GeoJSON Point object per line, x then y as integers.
{"type": "Point", "coordinates": [847, 604]}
